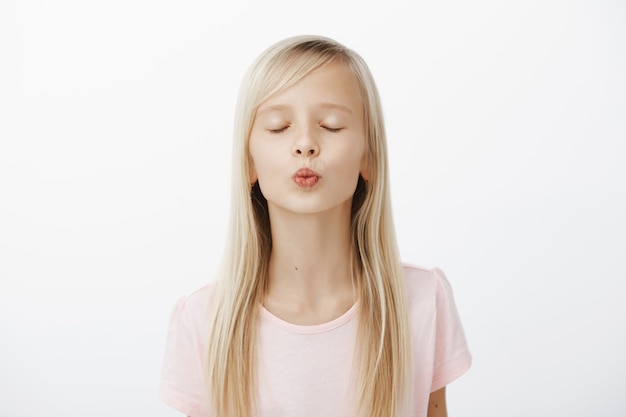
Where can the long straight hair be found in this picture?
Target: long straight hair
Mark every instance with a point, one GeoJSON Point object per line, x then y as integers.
{"type": "Point", "coordinates": [382, 361]}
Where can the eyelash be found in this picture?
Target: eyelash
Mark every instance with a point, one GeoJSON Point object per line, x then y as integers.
{"type": "Point", "coordinates": [276, 131]}
{"type": "Point", "coordinates": [330, 129]}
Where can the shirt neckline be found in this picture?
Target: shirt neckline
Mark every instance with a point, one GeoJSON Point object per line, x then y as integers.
{"type": "Point", "coordinates": [308, 329]}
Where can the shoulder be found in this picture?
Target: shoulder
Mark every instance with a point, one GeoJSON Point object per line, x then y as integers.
{"type": "Point", "coordinates": [421, 291]}
{"type": "Point", "coordinates": [199, 299]}
{"type": "Point", "coordinates": [427, 288]}
{"type": "Point", "coordinates": [422, 281]}
{"type": "Point", "coordinates": [192, 310]}
{"type": "Point", "coordinates": [415, 274]}
{"type": "Point", "coordinates": [439, 342]}
{"type": "Point", "coordinates": [182, 380]}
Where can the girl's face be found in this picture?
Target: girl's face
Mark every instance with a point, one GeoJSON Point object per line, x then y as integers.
{"type": "Point", "coordinates": [307, 145]}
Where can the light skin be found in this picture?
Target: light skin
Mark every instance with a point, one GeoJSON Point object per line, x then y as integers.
{"type": "Point", "coordinates": [317, 123]}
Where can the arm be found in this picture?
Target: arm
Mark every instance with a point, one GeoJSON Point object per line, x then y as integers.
{"type": "Point", "coordinates": [437, 403]}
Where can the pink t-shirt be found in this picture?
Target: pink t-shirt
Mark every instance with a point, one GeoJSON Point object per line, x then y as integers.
{"type": "Point", "coordinates": [305, 370]}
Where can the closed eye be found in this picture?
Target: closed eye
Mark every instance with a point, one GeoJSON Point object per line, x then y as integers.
{"type": "Point", "coordinates": [333, 129]}
{"type": "Point", "coordinates": [279, 130]}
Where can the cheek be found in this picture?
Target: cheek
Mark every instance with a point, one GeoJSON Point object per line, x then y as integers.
{"type": "Point", "coordinates": [255, 153]}
{"type": "Point", "coordinates": [262, 163]}
{"type": "Point", "coordinates": [349, 167]}
{"type": "Point", "coordinates": [355, 156]}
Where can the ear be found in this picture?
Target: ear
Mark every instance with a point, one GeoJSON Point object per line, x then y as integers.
{"type": "Point", "coordinates": [253, 177]}
{"type": "Point", "coordinates": [365, 169]}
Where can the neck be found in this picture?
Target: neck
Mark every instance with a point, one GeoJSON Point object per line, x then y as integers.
{"type": "Point", "coordinates": [309, 268]}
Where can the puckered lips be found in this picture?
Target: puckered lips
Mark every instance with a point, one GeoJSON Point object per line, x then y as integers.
{"type": "Point", "coordinates": [306, 178]}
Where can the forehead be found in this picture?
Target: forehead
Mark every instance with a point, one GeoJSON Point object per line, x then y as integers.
{"type": "Point", "coordinates": [333, 86]}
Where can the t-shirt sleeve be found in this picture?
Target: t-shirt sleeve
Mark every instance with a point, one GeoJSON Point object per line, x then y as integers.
{"type": "Point", "coordinates": [452, 357]}
{"type": "Point", "coordinates": [182, 382]}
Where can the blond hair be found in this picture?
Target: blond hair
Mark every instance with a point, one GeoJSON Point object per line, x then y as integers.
{"type": "Point", "coordinates": [382, 362]}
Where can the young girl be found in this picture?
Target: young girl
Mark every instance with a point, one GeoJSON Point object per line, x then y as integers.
{"type": "Point", "coordinates": [313, 313]}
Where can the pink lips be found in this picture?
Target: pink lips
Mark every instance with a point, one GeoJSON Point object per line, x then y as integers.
{"type": "Point", "coordinates": [306, 178]}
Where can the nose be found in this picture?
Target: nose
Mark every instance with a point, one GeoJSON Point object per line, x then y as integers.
{"type": "Point", "coordinates": [306, 144]}
{"type": "Point", "coordinates": [306, 150]}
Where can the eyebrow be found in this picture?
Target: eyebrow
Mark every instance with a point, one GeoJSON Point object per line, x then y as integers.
{"type": "Point", "coordinates": [325, 105]}
{"type": "Point", "coordinates": [335, 106]}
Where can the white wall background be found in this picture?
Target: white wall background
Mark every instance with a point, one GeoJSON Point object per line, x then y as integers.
{"type": "Point", "coordinates": [507, 135]}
